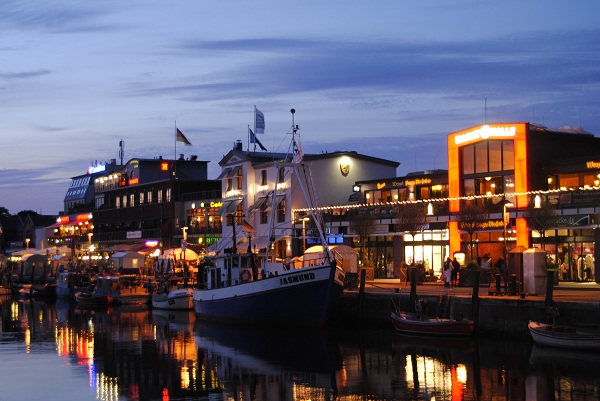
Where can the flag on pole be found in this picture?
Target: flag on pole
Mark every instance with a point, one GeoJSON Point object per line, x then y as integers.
{"type": "Point", "coordinates": [181, 138]}
{"type": "Point", "coordinates": [259, 121]}
{"type": "Point", "coordinates": [247, 227]}
{"type": "Point", "coordinates": [254, 139]}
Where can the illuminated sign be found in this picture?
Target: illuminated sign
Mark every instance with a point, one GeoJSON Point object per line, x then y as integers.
{"type": "Point", "coordinates": [134, 181]}
{"type": "Point", "coordinates": [485, 132]}
{"type": "Point", "coordinates": [216, 204]}
{"type": "Point", "coordinates": [96, 169]}
{"type": "Point", "coordinates": [418, 181]}
{"type": "Point", "coordinates": [63, 219]}
{"type": "Point", "coordinates": [380, 185]}
{"type": "Point", "coordinates": [592, 164]}
{"type": "Point", "coordinates": [134, 234]}
{"type": "Point", "coordinates": [83, 217]}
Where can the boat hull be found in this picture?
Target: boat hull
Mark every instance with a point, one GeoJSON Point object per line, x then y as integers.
{"type": "Point", "coordinates": [301, 297]}
{"type": "Point", "coordinates": [547, 335]}
{"type": "Point", "coordinates": [178, 299]}
{"type": "Point", "coordinates": [90, 299]}
{"type": "Point", "coordinates": [409, 323]}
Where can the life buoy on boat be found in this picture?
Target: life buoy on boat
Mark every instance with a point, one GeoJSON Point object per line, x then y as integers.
{"type": "Point", "coordinates": [245, 275]}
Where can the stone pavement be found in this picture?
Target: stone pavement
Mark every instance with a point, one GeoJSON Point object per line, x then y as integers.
{"type": "Point", "coordinates": [588, 292]}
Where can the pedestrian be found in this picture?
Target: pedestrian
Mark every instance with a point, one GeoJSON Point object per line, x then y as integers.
{"type": "Point", "coordinates": [447, 274]}
{"type": "Point", "coordinates": [455, 271]}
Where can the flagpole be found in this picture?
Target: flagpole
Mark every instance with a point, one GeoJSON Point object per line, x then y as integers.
{"type": "Point", "coordinates": [254, 128]}
{"type": "Point", "coordinates": [175, 155]}
{"type": "Point", "coordinates": [248, 147]}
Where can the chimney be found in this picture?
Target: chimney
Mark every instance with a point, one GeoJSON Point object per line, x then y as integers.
{"type": "Point", "coordinates": [238, 145]}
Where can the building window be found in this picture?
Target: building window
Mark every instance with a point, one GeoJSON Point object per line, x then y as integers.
{"type": "Point", "coordinates": [118, 202]}
{"type": "Point", "coordinates": [281, 211]}
{"type": "Point", "coordinates": [159, 196]}
{"type": "Point", "coordinates": [132, 200]}
{"type": "Point", "coordinates": [238, 178]}
{"type": "Point", "coordinates": [141, 198]}
{"type": "Point", "coordinates": [124, 200]}
{"type": "Point", "coordinates": [264, 213]}
{"type": "Point", "coordinates": [168, 195]}
{"type": "Point", "coordinates": [281, 178]}
{"type": "Point", "coordinates": [263, 177]}
{"type": "Point", "coordinates": [149, 196]}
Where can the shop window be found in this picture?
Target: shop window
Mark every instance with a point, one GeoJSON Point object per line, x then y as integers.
{"type": "Point", "coordinates": [495, 155]}
{"type": "Point", "coordinates": [508, 155]}
{"type": "Point", "coordinates": [386, 196]}
{"type": "Point", "coordinates": [481, 157]}
{"type": "Point", "coordinates": [424, 193]}
{"type": "Point", "coordinates": [468, 159]}
{"type": "Point", "coordinates": [468, 187]}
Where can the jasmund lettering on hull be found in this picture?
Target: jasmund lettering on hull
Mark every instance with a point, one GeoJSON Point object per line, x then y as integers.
{"type": "Point", "coordinates": [298, 278]}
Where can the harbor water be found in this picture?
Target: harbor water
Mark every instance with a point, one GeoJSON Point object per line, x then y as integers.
{"type": "Point", "coordinates": [58, 351]}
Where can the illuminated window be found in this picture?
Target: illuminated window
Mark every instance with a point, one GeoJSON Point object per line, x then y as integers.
{"type": "Point", "coordinates": [149, 196]}
{"type": "Point", "coordinates": [159, 196]}
{"type": "Point", "coordinates": [168, 195]}
{"type": "Point", "coordinates": [281, 211]}
{"type": "Point", "coordinates": [164, 166]}
{"type": "Point", "coordinates": [141, 198]}
{"type": "Point", "coordinates": [118, 202]}
{"type": "Point", "coordinates": [124, 200]}
{"type": "Point", "coordinates": [132, 200]}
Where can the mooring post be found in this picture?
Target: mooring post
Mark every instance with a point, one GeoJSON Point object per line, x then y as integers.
{"type": "Point", "coordinates": [413, 288]}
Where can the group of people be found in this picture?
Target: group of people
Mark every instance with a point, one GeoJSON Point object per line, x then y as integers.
{"type": "Point", "coordinates": [451, 272]}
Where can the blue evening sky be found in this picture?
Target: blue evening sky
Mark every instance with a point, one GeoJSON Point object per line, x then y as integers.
{"type": "Point", "coordinates": [388, 79]}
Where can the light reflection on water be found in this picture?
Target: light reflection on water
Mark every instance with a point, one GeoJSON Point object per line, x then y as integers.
{"type": "Point", "coordinates": [58, 351]}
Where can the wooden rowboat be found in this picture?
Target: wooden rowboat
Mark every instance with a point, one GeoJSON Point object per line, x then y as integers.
{"type": "Point", "coordinates": [564, 336]}
{"type": "Point", "coordinates": [413, 323]}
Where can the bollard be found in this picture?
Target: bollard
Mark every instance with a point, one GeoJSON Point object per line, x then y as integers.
{"type": "Point", "coordinates": [513, 284]}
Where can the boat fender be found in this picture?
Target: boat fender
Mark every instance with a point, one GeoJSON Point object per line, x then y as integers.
{"type": "Point", "coordinates": [245, 276]}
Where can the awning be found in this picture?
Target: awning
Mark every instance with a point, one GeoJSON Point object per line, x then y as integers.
{"type": "Point", "coordinates": [229, 206]}
{"type": "Point", "coordinates": [223, 173]}
{"type": "Point", "coordinates": [257, 205]}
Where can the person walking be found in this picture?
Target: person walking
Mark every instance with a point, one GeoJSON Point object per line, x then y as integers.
{"type": "Point", "coordinates": [455, 272]}
{"type": "Point", "coordinates": [447, 272]}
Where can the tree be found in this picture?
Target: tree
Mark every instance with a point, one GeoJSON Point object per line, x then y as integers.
{"type": "Point", "coordinates": [472, 218]}
{"type": "Point", "coordinates": [363, 223]}
{"type": "Point", "coordinates": [4, 212]}
{"type": "Point", "coordinates": [541, 219]}
{"type": "Point", "coordinates": [411, 218]}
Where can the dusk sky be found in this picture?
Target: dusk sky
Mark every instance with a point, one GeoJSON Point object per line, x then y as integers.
{"type": "Point", "coordinates": [388, 79]}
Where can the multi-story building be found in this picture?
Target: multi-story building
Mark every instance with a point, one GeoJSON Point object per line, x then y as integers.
{"type": "Point", "coordinates": [258, 187]}
{"type": "Point", "coordinates": [144, 201]}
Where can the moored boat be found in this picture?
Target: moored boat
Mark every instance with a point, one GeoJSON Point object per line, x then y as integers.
{"type": "Point", "coordinates": [415, 323]}
{"type": "Point", "coordinates": [120, 290]}
{"type": "Point", "coordinates": [564, 336]}
{"type": "Point", "coordinates": [261, 288]}
{"type": "Point", "coordinates": [174, 299]}
{"type": "Point", "coordinates": [69, 283]}
{"type": "Point", "coordinates": [89, 298]}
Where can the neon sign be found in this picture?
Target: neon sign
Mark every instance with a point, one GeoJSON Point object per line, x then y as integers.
{"type": "Point", "coordinates": [485, 132]}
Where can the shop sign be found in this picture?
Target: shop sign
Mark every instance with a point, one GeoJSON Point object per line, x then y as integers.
{"type": "Point", "coordinates": [485, 132]}
{"type": "Point", "coordinates": [134, 234]}
{"type": "Point", "coordinates": [575, 220]}
{"type": "Point", "coordinates": [418, 181]}
{"type": "Point", "coordinates": [592, 165]}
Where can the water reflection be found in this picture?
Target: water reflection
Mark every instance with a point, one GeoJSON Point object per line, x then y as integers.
{"type": "Point", "coordinates": [134, 353]}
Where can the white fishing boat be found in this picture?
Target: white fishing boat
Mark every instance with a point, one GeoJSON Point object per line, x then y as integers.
{"type": "Point", "coordinates": [174, 299]}
{"type": "Point", "coordinates": [247, 288]}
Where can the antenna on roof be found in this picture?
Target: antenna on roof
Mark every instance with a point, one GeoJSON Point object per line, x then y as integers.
{"type": "Point", "coordinates": [485, 111]}
{"type": "Point", "coordinates": [121, 150]}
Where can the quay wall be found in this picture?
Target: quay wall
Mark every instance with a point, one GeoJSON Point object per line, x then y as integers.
{"type": "Point", "coordinates": [498, 315]}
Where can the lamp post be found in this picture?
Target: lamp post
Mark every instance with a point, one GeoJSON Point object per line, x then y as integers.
{"type": "Point", "coordinates": [505, 216]}
{"type": "Point", "coordinates": [27, 243]}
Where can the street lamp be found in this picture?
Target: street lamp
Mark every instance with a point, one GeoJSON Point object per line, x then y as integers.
{"type": "Point", "coordinates": [27, 243]}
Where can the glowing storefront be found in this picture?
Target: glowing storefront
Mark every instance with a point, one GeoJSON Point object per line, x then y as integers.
{"type": "Point", "coordinates": [495, 164]}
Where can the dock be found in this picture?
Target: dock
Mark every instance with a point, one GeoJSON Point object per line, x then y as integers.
{"type": "Point", "coordinates": [571, 303]}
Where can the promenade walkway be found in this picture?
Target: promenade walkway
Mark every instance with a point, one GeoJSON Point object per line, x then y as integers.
{"type": "Point", "coordinates": [563, 292]}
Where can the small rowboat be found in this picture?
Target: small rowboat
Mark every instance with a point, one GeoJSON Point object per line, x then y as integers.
{"type": "Point", "coordinates": [564, 336]}
{"type": "Point", "coordinates": [413, 323]}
